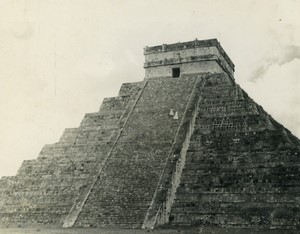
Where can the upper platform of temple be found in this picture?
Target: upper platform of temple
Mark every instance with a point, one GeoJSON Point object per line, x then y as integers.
{"type": "Point", "coordinates": [186, 58]}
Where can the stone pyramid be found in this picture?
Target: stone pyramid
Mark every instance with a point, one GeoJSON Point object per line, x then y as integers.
{"type": "Point", "coordinates": [184, 147]}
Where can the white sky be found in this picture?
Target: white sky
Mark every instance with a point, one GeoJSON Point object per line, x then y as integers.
{"type": "Point", "coordinates": [59, 59]}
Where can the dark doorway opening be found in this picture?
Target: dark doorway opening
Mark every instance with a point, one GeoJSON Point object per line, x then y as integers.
{"type": "Point", "coordinates": [176, 72]}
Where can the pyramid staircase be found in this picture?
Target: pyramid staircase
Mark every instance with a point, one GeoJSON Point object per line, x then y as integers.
{"type": "Point", "coordinates": [224, 162]}
{"type": "Point", "coordinates": [241, 168]}
{"type": "Point", "coordinates": [44, 189]}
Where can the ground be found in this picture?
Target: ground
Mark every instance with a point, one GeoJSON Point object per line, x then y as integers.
{"type": "Point", "coordinates": [56, 230]}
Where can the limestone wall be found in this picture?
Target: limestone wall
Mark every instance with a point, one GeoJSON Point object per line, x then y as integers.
{"type": "Point", "coordinates": [185, 69]}
{"type": "Point", "coordinates": [126, 184]}
{"type": "Point", "coordinates": [242, 168]}
{"type": "Point", "coordinates": [226, 160]}
{"type": "Point", "coordinates": [45, 189]}
{"type": "Point", "coordinates": [191, 57]}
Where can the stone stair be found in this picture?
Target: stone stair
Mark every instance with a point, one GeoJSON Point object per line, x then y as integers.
{"type": "Point", "coordinates": [124, 189]}
{"type": "Point", "coordinates": [44, 189]}
{"type": "Point", "coordinates": [224, 162]}
{"type": "Point", "coordinates": [242, 167]}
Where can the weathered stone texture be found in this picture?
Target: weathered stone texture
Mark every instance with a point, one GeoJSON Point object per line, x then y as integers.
{"type": "Point", "coordinates": [126, 185]}
{"type": "Point", "coordinates": [191, 57]}
{"type": "Point", "coordinates": [44, 189]}
{"type": "Point", "coordinates": [242, 168]}
{"type": "Point", "coordinates": [216, 159]}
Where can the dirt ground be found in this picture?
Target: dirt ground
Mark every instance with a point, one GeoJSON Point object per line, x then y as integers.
{"type": "Point", "coordinates": [56, 230]}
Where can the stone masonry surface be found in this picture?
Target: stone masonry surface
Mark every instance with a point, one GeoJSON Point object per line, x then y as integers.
{"type": "Point", "coordinates": [220, 161]}
{"type": "Point", "coordinates": [126, 185]}
{"type": "Point", "coordinates": [242, 167]}
{"type": "Point", "coordinates": [44, 189]}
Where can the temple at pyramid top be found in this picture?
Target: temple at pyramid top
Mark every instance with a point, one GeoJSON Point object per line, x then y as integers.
{"type": "Point", "coordinates": [185, 147]}
{"type": "Point", "coordinates": [186, 58]}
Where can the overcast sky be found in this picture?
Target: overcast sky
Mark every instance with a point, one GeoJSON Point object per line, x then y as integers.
{"type": "Point", "coordinates": [59, 59]}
